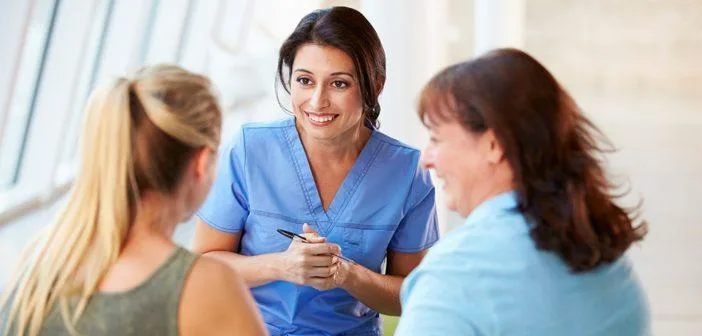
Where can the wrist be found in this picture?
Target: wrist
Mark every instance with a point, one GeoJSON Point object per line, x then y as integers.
{"type": "Point", "coordinates": [350, 276]}
{"type": "Point", "coordinates": [275, 266]}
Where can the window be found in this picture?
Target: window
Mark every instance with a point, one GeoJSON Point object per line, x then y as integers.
{"type": "Point", "coordinates": [165, 32]}
{"type": "Point", "coordinates": [197, 34]}
{"type": "Point", "coordinates": [23, 100]}
{"type": "Point", "coordinates": [92, 56]}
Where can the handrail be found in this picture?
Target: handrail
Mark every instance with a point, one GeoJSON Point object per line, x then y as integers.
{"type": "Point", "coordinates": [33, 203]}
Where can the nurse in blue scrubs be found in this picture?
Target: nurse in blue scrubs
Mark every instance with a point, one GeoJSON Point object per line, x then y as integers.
{"type": "Point", "coordinates": [329, 174]}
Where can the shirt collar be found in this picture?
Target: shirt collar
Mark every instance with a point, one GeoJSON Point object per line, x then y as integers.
{"type": "Point", "coordinates": [506, 201]}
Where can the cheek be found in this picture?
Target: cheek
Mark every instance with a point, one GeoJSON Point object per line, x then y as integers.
{"type": "Point", "coordinates": [448, 161]}
{"type": "Point", "coordinates": [350, 104]}
{"type": "Point", "coordinates": [297, 98]}
{"type": "Point", "coordinates": [459, 165]}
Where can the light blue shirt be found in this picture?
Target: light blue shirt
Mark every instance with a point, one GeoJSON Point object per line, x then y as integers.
{"type": "Point", "coordinates": [487, 278]}
{"type": "Point", "coordinates": [265, 183]}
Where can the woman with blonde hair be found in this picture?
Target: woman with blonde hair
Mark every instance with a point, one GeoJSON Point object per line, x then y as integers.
{"type": "Point", "coordinates": [108, 264]}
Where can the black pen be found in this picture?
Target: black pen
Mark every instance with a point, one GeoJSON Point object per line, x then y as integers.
{"type": "Point", "coordinates": [293, 235]}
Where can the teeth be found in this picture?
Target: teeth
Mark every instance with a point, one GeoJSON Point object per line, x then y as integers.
{"type": "Point", "coordinates": [321, 119]}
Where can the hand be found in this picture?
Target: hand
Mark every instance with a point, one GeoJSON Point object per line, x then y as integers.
{"type": "Point", "coordinates": [338, 279]}
{"type": "Point", "coordinates": [342, 270]}
{"type": "Point", "coordinates": [309, 263]}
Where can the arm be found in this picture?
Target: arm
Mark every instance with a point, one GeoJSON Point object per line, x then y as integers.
{"type": "Point", "coordinates": [453, 292]}
{"type": "Point", "coordinates": [380, 291]}
{"type": "Point", "coordinates": [216, 301]}
{"type": "Point", "coordinates": [300, 263]}
{"type": "Point", "coordinates": [433, 306]}
{"type": "Point", "coordinates": [416, 232]}
{"type": "Point", "coordinates": [255, 270]}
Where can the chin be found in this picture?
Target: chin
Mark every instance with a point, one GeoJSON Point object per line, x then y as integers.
{"type": "Point", "coordinates": [186, 217]}
{"type": "Point", "coordinates": [319, 132]}
{"type": "Point", "coordinates": [451, 205]}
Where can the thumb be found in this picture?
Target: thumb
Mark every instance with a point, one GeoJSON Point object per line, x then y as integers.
{"type": "Point", "coordinates": [311, 234]}
{"type": "Point", "coordinates": [306, 228]}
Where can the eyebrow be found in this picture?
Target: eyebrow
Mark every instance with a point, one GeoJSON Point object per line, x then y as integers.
{"type": "Point", "coordinates": [333, 74]}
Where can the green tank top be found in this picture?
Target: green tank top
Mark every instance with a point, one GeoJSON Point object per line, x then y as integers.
{"type": "Point", "coordinates": [151, 308]}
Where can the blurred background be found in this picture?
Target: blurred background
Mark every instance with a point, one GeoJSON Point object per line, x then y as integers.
{"type": "Point", "coordinates": [634, 66]}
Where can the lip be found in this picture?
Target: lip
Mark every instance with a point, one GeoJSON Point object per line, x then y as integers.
{"type": "Point", "coordinates": [320, 115]}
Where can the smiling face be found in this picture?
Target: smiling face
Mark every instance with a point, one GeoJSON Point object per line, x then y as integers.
{"type": "Point", "coordinates": [326, 96]}
{"type": "Point", "coordinates": [471, 165]}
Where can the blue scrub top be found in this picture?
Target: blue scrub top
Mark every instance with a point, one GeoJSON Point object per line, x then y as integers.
{"type": "Point", "coordinates": [488, 278]}
{"type": "Point", "coordinates": [264, 183]}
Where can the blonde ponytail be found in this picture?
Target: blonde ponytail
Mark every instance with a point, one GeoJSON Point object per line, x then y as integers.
{"type": "Point", "coordinates": [74, 254]}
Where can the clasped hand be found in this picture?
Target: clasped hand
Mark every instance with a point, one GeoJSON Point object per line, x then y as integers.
{"type": "Point", "coordinates": [312, 263]}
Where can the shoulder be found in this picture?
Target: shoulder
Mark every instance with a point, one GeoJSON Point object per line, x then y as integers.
{"type": "Point", "coordinates": [211, 271]}
{"type": "Point", "coordinates": [403, 160]}
{"type": "Point", "coordinates": [396, 146]}
{"type": "Point", "coordinates": [209, 280]}
{"type": "Point", "coordinates": [270, 125]}
{"type": "Point", "coordinates": [215, 296]}
{"type": "Point", "coordinates": [497, 239]}
{"type": "Point", "coordinates": [254, 131]}
{"type": "Point", "coordinates": [237, 143]}
{"type": "Point", "coordinates": [448, 292]}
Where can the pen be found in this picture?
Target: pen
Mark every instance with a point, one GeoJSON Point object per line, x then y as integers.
{"type": "Point", "coordinates": [293, 235]}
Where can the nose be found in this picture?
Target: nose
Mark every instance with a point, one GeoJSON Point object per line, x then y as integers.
{"type": "Point", "coordinates": [319, 99]}
{"type": "Point", "coordinates": [426, 159]}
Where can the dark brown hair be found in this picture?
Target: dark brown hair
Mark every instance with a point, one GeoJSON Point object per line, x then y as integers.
{"type": "Point", "coordinates": [348, 30]}
{"type": "Point", "coordinates": [553, 149]}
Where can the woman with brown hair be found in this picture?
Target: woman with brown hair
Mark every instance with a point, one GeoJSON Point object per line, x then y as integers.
{"type": "Point", "coordinates": [361, 192]}
{"type": "Point", "coordinates": [542, 249]}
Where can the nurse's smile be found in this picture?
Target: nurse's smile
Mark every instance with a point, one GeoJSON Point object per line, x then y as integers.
{"type": "Point", "coordinates": [320, 119]}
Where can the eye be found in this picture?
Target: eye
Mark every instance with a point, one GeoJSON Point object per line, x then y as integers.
{"type": "Point", "coordinates": [303, 80]}
{"type": "Point", "coordinates": [433, 139]}
{"type": "Point", "coordinates": [339, 84]}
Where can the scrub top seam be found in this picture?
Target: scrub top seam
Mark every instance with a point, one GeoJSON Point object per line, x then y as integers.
{"type": "Point", "coordinates": [357, 181]}
{"type": "Point", "coordinates": [289, 142]}
{"type": "Point", "coordinates": [352, 225]}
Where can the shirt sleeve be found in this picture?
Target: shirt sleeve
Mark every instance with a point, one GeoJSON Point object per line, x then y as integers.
{"type": "Point", "coordinates": [418, 229]}
{"type": "Point", "coordinates": [445, 297]}
{"type": "Point", "coordinates": [226, 207]}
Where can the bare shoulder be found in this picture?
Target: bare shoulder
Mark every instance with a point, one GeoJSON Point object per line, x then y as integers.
{"type": "Point", "coordinates": [215, 300]}
{"type": "Point", "coordinates": [211, 272]}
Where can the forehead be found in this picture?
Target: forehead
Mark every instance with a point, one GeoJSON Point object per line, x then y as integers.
{"type": "Point", "coordinates": [322, 59]}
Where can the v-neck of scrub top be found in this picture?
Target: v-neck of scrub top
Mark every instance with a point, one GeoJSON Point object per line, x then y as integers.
{"type": "Point", "coordinates": [326, 219]}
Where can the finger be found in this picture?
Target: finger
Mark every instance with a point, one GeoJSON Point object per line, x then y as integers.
{"type": "Point", "coordinates": [321, 272]}
{"type": "Point", "coordinates": [314, 239]}
{"type": "Point", "coordinates": [306, 228]}
{"type": "Point", "coordinates": [320, 283]}
{"type": "Point", "coordinates": [323, 248]}
{"type": "Point", "coordinates": [320, 260]}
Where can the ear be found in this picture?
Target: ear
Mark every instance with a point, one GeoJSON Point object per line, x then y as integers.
{"type": "Point", "coordinates": [203, 160]}
{"type": "Point", "coordinates": [493, 148]}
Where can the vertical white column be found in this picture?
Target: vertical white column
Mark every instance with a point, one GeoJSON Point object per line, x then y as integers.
{"type": "Point", "coordinates": [415, 47]}
{"type": "Point", "coordinates": [393, 22]}
{"type": "Point", "coordinates": [499, 23]}
{"type": "Point", "coordinates": [414, 38]}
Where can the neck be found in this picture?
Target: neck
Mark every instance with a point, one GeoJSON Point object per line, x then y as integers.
{"type": "Point", "coordinates": [501, 182]}
{"type": "Point", "coordinates": [155, 220]}
{"type": "Point", "coordinates": [345, 146]}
